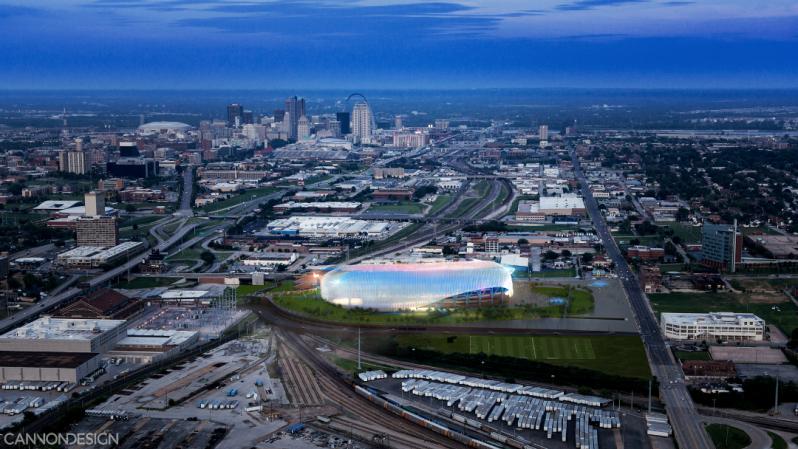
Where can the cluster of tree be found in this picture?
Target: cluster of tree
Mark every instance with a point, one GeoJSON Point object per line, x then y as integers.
{"type": "Point", "coordinates": [423, 191]}
{"type": "Point", "coordinates": [489, 226]}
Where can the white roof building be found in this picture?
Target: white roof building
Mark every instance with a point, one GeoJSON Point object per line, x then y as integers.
{"type": "Point", "coordinates": [63, 335]}
{"type": "Point", "coordinates": [723, 325]}
{"type": "Point", "coordinates": [327, 227]}
{"type": "Point", "coordinates": [56, 205]}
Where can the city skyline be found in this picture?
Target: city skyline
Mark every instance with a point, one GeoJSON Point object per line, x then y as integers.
{"type": "Point", "coordinates": [173, 44]}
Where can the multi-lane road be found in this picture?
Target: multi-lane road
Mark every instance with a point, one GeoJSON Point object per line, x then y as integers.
{"type": "Point", "coordinates": [686, 422]}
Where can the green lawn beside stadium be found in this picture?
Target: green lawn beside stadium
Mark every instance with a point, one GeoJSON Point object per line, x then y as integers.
{"type": "Point", "coordinates": [616, 355]}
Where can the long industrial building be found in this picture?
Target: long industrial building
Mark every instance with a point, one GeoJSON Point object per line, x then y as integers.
{"type": "Point", "coordinates": [64, 335]}
{"type": "Point", "coordinates": [415, 286]}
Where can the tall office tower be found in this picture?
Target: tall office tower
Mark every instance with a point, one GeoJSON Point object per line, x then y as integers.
{"type": "Point", "coordinates": [97, 231]}
{"type": "Point", "coordinates": [721, 246]}
{"type": "Point", "coordinates": [303, 128]}
{"type": "Point", "coordinates": [543, 132]}
{"type": "Point", "coordinates": [76, 162]}
{"type": "Point", "coordinates": [295, 108]}
{"type": "Point", "coordinates": [442, 123]}
{"type": "Point", "coordinates": [361, 122]}
{"type": "Point", "coordinates": [278, 115]}
{"type": "Point", "coordinates": [79, 144]}
{"type": "Point", "coordinates": [397, 122]}
{"type": "Point", "coordinates": [286, 124]}
{"type": "Point", "coordinates": [95, 204]}
{"type": "Point", "coordinates": [234, 111]}
{"type": "Point", "coordinates": [344, 119]}
{"type": "Point", "coordinates": [247, 117]}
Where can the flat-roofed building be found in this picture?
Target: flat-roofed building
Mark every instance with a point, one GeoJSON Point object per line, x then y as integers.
{"type": "Point", "coordinates": [567, 205]}
{"type": "Point", "coordinates": [47, 366]}
{"type": "Point", "coordinates": [68, 335]}
{"type": "Point", "coordinates": [716, 325]}
{"type": "Point", "coordinates": [151, 345]}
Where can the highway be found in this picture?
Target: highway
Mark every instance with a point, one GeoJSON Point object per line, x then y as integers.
{"type": "Point", "coordinates": [686, 422]}
{"type": "Point", "coordinates": [55, 301]}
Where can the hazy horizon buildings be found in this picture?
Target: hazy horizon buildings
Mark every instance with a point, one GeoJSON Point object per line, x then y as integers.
{"type": "Point", "coordinates": [294, 109]}
{"type": "Point", "coordinates": [235, 114]}
{"type": "Point", "coordinates": [362, 127]}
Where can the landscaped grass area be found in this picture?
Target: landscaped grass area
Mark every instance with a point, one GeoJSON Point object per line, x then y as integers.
{"type": "Point", "coordinates": [786, 317]}
{"type": "Point", "coordinates": [463, 207]}
{"type": "Point", "coordinates": [440, 202]}
{"type": "Point", "coordinates": [350, 366]}
{"type": "Point", "coordinates": [579, 301]}
{"type": "Point", "coordinates": [403, 207]}
{"type": "Point", "coordinates": [778, 441]}
{"type": "Point", "coordinates": [685, 231]}
{"type": "Point", "coordinates": [243, 291]}
{"type": "Point", "coordinates": [615, 355]}
{"type": "Point", "coordinates": [147, 282]}
{"type": "Point", "coordinates": [728, 437]}
{"type": "Point", "coordinates": [143, 225]}
{"type": "Point", "coordinates": [310, 304]}
{"type": "Point", "coordinates": [192, 253]}
{"type": "Point", "coordinates": [246, 195]}
{"type": "Point", "coordinates": [693, 355]}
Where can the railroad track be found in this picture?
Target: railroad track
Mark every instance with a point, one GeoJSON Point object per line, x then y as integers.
{"type": "Point", "coordinates": [340, 392]}
{"type": "Point", "coordinates": [396, 439]}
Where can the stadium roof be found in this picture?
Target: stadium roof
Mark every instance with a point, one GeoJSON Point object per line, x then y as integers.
{"type": "Point", "coordinates": [414, 285]}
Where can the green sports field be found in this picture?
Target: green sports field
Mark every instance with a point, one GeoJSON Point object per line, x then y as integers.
{"type": "Point", "coordinates": [617, 355]}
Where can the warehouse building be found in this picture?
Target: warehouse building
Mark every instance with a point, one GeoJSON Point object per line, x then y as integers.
{"type": "Point", "coordinates": [330, 227]}
{"type": "Point", "coordinates": [97, 256]}
{"type": "Point", "coordinates": [727, 326]}
{"type": "Point", "coordinates": [47, 366]}
{"type": "Point", "coordinates": [63, 335]}
{"type": "Point", "coordinates": [151, 345]}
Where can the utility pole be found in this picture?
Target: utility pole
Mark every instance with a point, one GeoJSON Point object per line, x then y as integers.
{"type": "Point", "coordinates": [649, 395]}
{"type": "Point", "coordinates": [776, 405]}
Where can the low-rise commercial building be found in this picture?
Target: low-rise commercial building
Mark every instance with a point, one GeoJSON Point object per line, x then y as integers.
{"type": "Point", "coordinates": [717, 325]}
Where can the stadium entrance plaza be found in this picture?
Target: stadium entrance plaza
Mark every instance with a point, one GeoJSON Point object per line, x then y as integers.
{"type": "Point", "coordinates": [611, 310]}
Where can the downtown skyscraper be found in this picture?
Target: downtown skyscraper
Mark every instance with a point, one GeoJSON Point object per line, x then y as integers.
{"type": "Point", "coordinates": [294, 109]}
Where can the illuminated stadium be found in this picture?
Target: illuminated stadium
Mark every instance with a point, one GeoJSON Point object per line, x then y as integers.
{"type": "Point", "coordinates": [415, 286]}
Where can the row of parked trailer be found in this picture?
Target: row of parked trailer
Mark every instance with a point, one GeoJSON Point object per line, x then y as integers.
{"type": "Point", "coordinates": [519, 410]}
{"type": "Point", "coordinates": [504, 387]}
{"type": "Point", "coordinates": [367, 376]}
{"type": "Point", "coordinates": [216, 404]}
{"type": "Point", "coordinates": [19, 405]}
{"type": "Point", "coordinates": [38, 386]}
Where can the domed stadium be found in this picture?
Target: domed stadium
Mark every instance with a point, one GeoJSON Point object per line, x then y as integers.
{"type": "Point", "coordinates": [417, 286]}
{"type": "Point", "coordinates": [164, 127]}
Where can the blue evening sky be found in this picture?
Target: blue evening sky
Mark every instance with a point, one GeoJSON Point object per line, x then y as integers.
{"type": "Point", "coordinates": [142, 44]}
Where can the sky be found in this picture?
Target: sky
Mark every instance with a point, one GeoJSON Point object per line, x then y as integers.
{"type": "Point", "coordinates": [276, 44]}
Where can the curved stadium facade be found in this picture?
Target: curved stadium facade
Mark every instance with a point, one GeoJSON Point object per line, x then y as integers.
{"type": "Point", "coordinates": [416, 285]}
